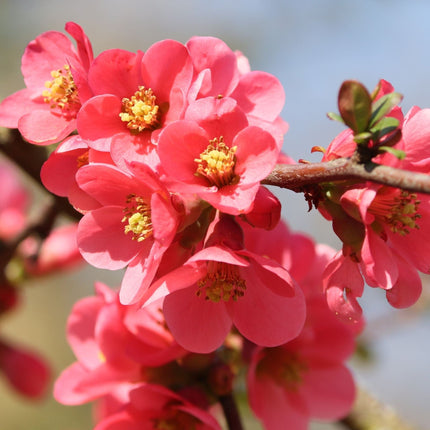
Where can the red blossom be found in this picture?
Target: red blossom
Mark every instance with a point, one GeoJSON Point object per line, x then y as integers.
{"type": "Point", "coordinates": [133, 225]}
{"type": "Point", "coordinates": [55, 73]}
{"type": "Point", "coordinates": [305, 378]}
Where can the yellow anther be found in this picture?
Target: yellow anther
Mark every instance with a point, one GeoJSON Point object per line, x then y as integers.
{"type": "Point", "coordinates": [137, 217]}
{"type": "Point", "coordinates": [397, 209]}
{"type": "Point", "coordinates": [62, 93]}
{"type": "Point", "coordinates": [217, 163]}
{"type": "Point", "coordinates": [140, 112]}
{"type": "Point", "coordinates": [222, 282]}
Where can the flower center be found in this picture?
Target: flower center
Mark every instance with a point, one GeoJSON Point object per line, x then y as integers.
{"type": "Point", "coordinates": [140, 112]}
{"type": "Point", "coordinates": [137, 217]}
{"type": "Point", "coordinates": [283, 366]}
{"type": "Point", "coordinates": [62, 93]}
{"type": "Point", "coordinates": [222, 282]}
{"type": "Point", "coordinates": [398, 209]}
{"type": "Point", "coordinates": [217, 162]}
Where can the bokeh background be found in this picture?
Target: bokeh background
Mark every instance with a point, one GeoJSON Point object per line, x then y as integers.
{"type": "Point", "coordinates": [311, 46]}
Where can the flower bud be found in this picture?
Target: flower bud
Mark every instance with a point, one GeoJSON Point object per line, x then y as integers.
{"type": "Point", "coordinates": [24, 370]}
{"type": "Point", "coordinates": [266, 211]}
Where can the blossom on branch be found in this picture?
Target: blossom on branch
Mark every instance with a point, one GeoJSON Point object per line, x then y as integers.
{"type": "Point", "coordinates": [55, 73]}
{"type": "Point", "coordinates": [384, 229]}
{"type": "Point", "coordinates": [225, 284]}
{"type": "Point", "coordinates": [305, 378]}
{"type": "Point", "coordinates": [133, 225]}
{"type": "Point", "coordinates": [217, 156]}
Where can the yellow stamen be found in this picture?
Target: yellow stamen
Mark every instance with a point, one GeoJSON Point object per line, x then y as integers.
{"type": "Point", "coordinates": [140, 112]}
{"type": "Point", "coordinates": [137, 216]}
{"type": "Point", "coordinates": [222, 282]}
{"type": "Point", "coordinates": [217, 162]}
{"type": "Point", "coordinates": [398, 209]}
{"type": "Point", "coordinates": [62, 93]}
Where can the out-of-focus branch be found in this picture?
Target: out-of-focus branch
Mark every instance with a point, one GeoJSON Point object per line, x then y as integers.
{"type": "Point", "coordinates": [370, 414]}
{"type": "Point", "coordinates": [30, 159]}
{"type": "Point", "coordinates": [297, 177]}
{"type": "Point", "coordinates": [231, 412]}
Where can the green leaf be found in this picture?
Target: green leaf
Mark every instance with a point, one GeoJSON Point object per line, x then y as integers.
{"type": "Point", "coordinates": [362, 137]}
{"type": "Point", "coordinates": [355, 105]}
{"type": "Point", "coordinates": [383, 105]}
{"type": "Point", "coordinates": [398, 153]}
{"type": "Point", "coordinates": [384, 126]}
{"type": "Point", "coordinates": [335, 117]}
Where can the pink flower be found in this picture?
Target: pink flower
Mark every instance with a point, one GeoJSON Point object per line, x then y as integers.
{"type": "Point", "coordinates": [136, 95]}
{"type": "Point", "coordinates": [296, 252]}
{"type": "Point", "coordinates": [58, 173]}
{"type": "Point", "coordinates": [266, 211]}
{"type": "Point", "coordinates": [14, 202]}
{"type": "Point", "coordinates": [55, 74]}
{"type": "Point", "coordinates": [133, 227]}
{"type": "Point", "coordinates": [116, 347]}
{"type": "Point", "coordinates": [25, 370]}
{"type": "Point", "coordinates": [59, 251]}
{"type": "Point", "coordinates": [155, 407]}
{"type": "Point", "coordinates": [305, 378]}
{"type": "Point", "coordinates": [220, 72]}
{"type": "Point", "coordinates": [384, 230]}
{"type": "Point", "coordinates": [214, 154]}
{"type": "Point", "coordinates": [224, 285]}
{"type": "Point", "coordinates": [394, 247]}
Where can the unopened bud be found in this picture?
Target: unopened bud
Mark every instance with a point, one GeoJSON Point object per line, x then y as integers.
{"type": "Point", "coordinates": [266, 211]}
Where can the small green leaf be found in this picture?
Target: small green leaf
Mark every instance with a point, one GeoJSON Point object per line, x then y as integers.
{"type": "Point", "coordinates": [398, 153]}
{"type": "Point", "coordinates": [362, 137]}
{"type": "Point", "coordinates": [383, 105]}
{"type": "Point", "coordinates": [376, 91]}
{"type": "Point", "coordinates": [335, 116]}
{"type": "Point", "coordinates": [355, 105]}
{"type": "Point", "coordinates": [384, 126]}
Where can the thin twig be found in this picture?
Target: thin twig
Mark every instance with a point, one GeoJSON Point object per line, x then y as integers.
{"type": "Point", "coordinates": [231, 412]}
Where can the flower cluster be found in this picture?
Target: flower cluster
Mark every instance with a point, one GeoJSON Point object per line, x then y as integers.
{"type": "Point", "coordinates": [169, 151]}
{"type": "Point", "coordinates": [383, 229]}
{"type": "Point", "coordinates": [163, 153]}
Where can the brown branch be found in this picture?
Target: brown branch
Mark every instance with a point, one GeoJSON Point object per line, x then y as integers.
{"type": "Point", "coordinates": [42, 227]}
{"type": "Point", "coordinates": [296, 176]}
{"type": "Point", "coordinates": [30, 159]}
{"type": "Point", "coordinates": [231, 412]}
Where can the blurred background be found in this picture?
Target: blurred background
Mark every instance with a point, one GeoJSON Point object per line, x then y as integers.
{"type": "Point", "coordinates": [311, 46]}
